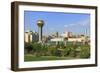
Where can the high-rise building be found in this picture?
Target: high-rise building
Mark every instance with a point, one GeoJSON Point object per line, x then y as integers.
{"type": "Point", "coordinates": [35, 36]}
{"type": "Point", "coordinates": [28, 37]}
{"type": "Point", "coordinates": [31, 36]}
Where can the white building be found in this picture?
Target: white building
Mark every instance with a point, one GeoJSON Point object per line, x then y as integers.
{"type": "Point", "coordinates": [57, 40]}
{"type": "Point", "coordinates": [66, 34]}
{"type": "Point", "coordinates": [78, 39]}
{"type": "Point", "coordinates": [30, 36]}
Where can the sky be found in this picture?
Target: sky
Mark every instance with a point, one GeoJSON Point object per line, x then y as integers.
{"type": "Point", "coordinates": [77, 23]}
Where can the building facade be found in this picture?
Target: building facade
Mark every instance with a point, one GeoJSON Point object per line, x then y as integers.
{"type": "Point", "coordinates": [30, 36]}
{"type": "Point", "coordinates": [66, 34]}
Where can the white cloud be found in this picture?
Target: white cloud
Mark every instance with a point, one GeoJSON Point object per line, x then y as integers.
{"type": "Point", "coordinates": [80, 23]}
{"type": "Point", "coordinates": [67, 25]}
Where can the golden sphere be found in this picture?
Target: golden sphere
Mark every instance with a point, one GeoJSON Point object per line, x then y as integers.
{"type": "Point", "coordinates": [40, 23]}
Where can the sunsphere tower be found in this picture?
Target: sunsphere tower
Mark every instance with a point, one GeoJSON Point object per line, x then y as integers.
{"type": "Point", "coordinates": [40, 24]}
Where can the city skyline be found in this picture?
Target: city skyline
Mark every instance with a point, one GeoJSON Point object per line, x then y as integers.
{"type": "Point", "coordinates": [57, 22]}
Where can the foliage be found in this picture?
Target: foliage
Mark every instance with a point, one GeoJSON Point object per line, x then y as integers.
{"type": "Point", "coordinates": [85, 52]}
{"type": "Point", "coordinates": [76, 50]}
{"type": "Point", "coordinates": [28, 47]}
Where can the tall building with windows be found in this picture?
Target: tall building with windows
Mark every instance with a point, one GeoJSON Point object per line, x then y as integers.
{"type": "Point", "coordinates": [30, 36]}
{"type": "Point", "coordinates": [35, 36]}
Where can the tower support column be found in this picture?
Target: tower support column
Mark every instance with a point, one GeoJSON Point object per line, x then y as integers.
{"type": "Point", "coordinates": [40, 34]}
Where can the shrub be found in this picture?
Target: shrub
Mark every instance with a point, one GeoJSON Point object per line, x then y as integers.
{"type": "Point", "coordinates": [28, 47]}
{"type": "Point", "coordinates": [72, 52]}
{"type": "Point", "coordinates": [67, 51]}
{"type": "Point", "coordinates": [85, 53]}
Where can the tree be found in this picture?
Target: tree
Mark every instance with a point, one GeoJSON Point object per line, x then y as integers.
{"type": "Point", "coordinates": [28, 47]}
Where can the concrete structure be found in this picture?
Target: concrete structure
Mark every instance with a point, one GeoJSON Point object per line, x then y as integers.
{"type": "Point", "coordinates": [35, 36]}
{"type": "Point", "coordinates": [40, 24]}
{"type": "Point", "coordinates": [66, 34]}
{"type": "Point", "coordinates": [28, 37]}
{"type": "Point", "coordinates": [57, 40]}
{"type": "Point", "coordinates": [81, 39]}
{"type": "Point", "coordinates": [76, 39]}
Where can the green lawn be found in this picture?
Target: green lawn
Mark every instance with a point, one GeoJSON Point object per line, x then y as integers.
{"type": "Point", "coordinates": [43, 58]}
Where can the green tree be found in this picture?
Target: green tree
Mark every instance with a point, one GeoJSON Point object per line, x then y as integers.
{"type": "Point", "coordinates": [85, 52]}
{"type": "Point", "coordinates": [28, 47]}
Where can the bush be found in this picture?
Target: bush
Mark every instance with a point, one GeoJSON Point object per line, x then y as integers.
{"type": "Point", "coordinates": [52, 50]}
{"type": "Point", "coordinates": [85, 53]}
{"type": "Point", "coordinates": [67, 51]}
{"type": "Point", "coordinates": [37, 49]}
{"type": "Point", "coordinates": [28, 47]}
{"type": "Point", "coordinates": [58, 52]}
{"type": "Point", "coordinates": [72, 52]}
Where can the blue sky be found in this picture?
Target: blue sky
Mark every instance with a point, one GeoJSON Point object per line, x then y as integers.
{"type": "Point", "coordinates": [57, 22]}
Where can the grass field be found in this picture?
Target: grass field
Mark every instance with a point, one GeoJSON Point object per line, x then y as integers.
{"type": "Point", "coordinates": [43, 58]}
